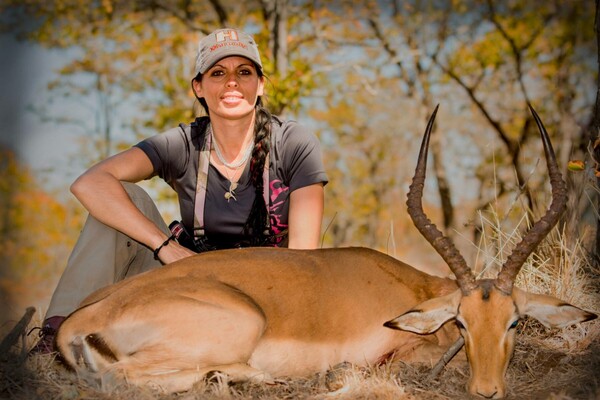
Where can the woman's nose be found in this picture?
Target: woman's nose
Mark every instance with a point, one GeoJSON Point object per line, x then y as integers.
{"type": "Point", "coordinates": [232, 80]}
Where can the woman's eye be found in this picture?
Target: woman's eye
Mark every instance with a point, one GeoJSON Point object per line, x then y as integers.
{"type": "Point", "coordinates": [217, 73]}
{"type": "Point", "coordinates": [245, 72]}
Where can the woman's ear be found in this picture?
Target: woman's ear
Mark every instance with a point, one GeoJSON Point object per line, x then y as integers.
{"type": "Point", "coordinates": [261, 86]}
{"type": "Point", "coordinates": [197, 87]}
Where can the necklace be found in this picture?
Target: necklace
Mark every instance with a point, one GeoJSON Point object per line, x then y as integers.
{"type": "Point", "coordinates": [234, 164]}
{"type": "Point", "coordinates": [230, 194]}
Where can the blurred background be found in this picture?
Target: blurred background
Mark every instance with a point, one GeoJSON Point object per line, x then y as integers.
{"type": "Point", "coordinates": [83, 80]}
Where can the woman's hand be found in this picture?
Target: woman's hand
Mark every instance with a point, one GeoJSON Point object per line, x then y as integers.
{"type": "Point", "coordinates": [173, 251]}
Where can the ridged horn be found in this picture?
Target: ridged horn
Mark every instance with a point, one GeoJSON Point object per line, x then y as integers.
{"type": "Point", "coordinates": [442, 244]}
{"type": "Point", "coordinates": [541, 228]}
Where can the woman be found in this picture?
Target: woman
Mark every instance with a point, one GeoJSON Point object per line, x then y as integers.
{"type": "Point", "coordinates": [242, 176]}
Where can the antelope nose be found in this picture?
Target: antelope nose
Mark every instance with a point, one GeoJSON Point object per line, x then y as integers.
{"type": "Point", "coordinates": [487, 396]}
{"type": "Point", "coordinates": [490, 393]}
{"type": "Point", "coordinates": [486, 388]}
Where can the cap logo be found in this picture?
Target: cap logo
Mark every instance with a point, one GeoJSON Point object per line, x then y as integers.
{"type": "Point", "coordinates": [223, 35]}
{"type": "Point", "coordinates": [227, 38]}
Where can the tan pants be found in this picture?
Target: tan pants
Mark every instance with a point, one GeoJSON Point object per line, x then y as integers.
{"type": "Point", "coordinates": [102, 256]}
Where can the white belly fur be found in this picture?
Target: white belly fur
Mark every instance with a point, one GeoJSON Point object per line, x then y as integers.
{"type": "Point", "coordinates": [293, 357]}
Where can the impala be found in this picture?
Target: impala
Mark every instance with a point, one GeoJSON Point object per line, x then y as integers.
{"type": "Point", "coordinates": [260, 313]}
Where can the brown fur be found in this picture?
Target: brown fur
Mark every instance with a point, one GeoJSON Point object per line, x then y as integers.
{"type": "Point", "coordinates": [283, 312]}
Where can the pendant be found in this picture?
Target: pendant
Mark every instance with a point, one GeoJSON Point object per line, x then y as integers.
{"type": "Point", "coordinates": [230, 194]}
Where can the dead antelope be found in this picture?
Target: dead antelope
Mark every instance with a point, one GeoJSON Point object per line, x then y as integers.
{"type": "Point", "coordinates": [261, 313]}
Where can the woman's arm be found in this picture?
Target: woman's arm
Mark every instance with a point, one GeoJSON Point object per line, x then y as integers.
{"type": "Point", "coordinates": [100, 191]}
{"type": "Point", "coordinates": [305, 215]}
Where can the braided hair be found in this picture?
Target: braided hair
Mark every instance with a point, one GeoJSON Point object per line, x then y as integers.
{"type": "Point", "coordinates": [257, 226]}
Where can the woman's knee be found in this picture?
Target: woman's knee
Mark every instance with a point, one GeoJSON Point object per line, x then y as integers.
{"type": "Point", "coordinates": [144, 203]}
{"type": "Point", "coordinates": [139, 197]}
{"type": "Point", "coordinates": [136, 193]}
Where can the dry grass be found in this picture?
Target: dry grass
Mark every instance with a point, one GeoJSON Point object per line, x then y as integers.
{"type": "Point", "coordinates": [547, 364]}
{"type": "Point", "coordinates": [538, 371]}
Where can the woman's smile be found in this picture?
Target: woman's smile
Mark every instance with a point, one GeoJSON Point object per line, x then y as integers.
{"type": "Point", "coordinates": [232, 98]}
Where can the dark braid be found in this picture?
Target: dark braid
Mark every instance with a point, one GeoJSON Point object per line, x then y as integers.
{"type": "Point", "coordinates": [257, 225]}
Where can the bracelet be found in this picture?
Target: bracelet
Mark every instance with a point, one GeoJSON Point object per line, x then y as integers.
{"type": "Point", "coordinates": [166, 242]}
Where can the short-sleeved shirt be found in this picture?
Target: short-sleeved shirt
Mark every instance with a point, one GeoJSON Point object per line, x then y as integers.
{"type": "Point", "coordinates": [295, 162]}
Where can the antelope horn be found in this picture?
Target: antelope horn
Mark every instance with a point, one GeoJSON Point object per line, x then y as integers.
{"type": "Point", "coordinates": [442, 244]}
{"type": "Point", "coordinates": [541, 228]}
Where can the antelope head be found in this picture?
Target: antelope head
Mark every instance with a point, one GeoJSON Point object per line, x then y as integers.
{"type": "Point", "coordinates": [487, 310]}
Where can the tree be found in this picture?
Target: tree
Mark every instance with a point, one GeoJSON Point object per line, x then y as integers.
{"type": "Point", "coordinates": [133, 61]}
{"type": "Point", "coordinates": [419, 77]}
{"type": "Point", "coordinates": [145, 50]}
{"type": "Point", "coordinates": [365, 75]}
{"type": "Point", "coordinates": [38, 233]}
{"type": "Point", "coordinates": [538, 52]}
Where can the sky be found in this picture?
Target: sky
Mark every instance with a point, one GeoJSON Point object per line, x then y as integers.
{"type": "Point", "coordinates": [26, 68]}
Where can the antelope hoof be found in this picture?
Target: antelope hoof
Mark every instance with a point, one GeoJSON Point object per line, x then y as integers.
{"type": "Point", "coordinates": [262, 377]}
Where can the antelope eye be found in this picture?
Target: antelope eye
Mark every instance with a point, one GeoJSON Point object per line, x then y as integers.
{"type": "Point", "coordinates": [460, 325]}
{"type": "Point", "coordinates": [513, 325]}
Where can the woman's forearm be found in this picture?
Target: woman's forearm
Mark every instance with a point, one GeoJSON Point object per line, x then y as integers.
{"type": "Point", "coordinates": [305, 216]}
{"type": "Point", "coordinates": [105, 198]}
{"type": "Point", "coordinates": [101, 192]}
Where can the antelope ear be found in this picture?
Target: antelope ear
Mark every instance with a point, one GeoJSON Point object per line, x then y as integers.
{"type": "Point", "coordinates": [550, 311]}
{"type": "Point", "coordinates": [428, 316]}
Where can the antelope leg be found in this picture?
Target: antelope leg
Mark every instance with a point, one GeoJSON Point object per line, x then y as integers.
{"type": "Point", "coordinates": [448, 355]}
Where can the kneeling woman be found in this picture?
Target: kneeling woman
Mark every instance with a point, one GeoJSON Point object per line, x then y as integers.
{"type": "Point", "coordinates": [243, 178]}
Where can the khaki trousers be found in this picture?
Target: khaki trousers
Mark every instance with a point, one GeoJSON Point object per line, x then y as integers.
{"type": "Point", "coordinates": [103, 256]}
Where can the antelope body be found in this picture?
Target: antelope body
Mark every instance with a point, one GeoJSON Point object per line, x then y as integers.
{"type": "Point", "coordinates": [280, 311]}
{"type": "Point", "coordinates": [261, 313]}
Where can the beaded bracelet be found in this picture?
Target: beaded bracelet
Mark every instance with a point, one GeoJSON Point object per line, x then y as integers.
{"type": "Point", "coordinates": [166, 242]}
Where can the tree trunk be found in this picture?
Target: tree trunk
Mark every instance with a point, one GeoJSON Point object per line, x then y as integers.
{"type": "Point", "coordinates": [276, 15]}
{"type": "Point", "coordinates": [595, 132]}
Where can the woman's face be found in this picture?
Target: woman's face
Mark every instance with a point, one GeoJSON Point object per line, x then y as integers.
{"type": "Point", "coordinates": [230, 88]}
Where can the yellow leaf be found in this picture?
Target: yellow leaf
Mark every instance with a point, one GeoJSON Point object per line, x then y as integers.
{"type": "Point", "coordinates": [576, 165]}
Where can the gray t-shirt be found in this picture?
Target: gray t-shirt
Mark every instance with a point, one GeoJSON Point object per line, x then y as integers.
{"type": "Point", "coordinates": [295, 162]}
